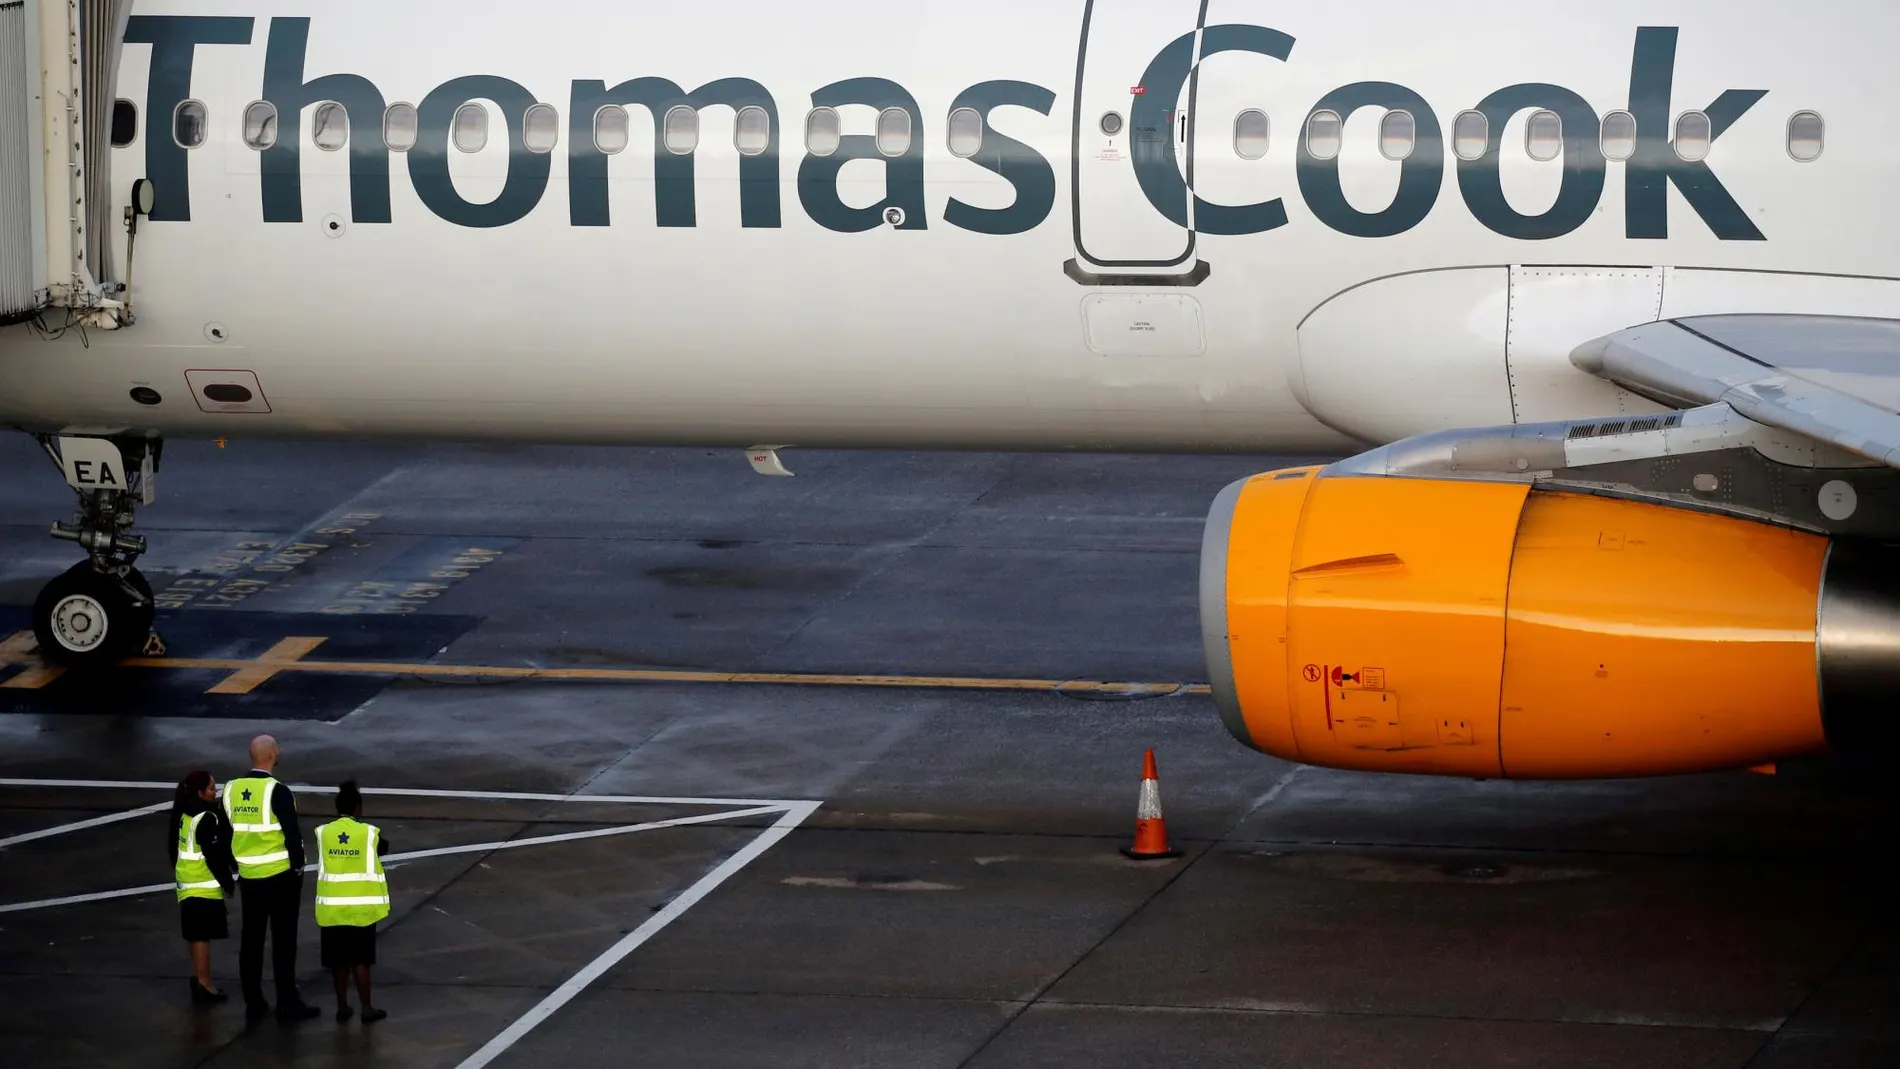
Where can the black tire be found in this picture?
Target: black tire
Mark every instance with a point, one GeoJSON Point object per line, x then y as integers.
{"type": "Point", "coordinates": [87, 620]}
{"type": "Point", "coordinates": [146, 611]}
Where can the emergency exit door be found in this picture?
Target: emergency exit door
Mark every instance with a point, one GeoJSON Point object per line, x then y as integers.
{"type": "Point", "coordinates": [1116, 225]}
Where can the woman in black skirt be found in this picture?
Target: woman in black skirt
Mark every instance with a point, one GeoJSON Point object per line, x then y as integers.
{"type": "Point", "coordinates": [202, 868]}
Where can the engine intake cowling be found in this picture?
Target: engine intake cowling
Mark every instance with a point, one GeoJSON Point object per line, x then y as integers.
{"type": "Point", "coordinates": [1488, 629]}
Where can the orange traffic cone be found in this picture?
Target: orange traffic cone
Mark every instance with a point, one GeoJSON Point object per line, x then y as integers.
{"type": "Point", "coordinates": [1151, 829]}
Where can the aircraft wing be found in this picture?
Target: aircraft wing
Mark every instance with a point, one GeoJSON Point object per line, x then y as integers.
{"type": "Point", "coordinates": [1835, 379]}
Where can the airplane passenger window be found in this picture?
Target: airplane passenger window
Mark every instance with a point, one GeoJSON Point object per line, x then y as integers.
{"type": "Point", "coordinates": [893, 131]}
{"type": "Point", "coordinates": [1693, 134]}
{"type": "Point", "coordinates": [330, 126]}
{"type": "Point", "coordinates": [1250, 134]}
{"type": "Point", "coordinates": [680, 130]}
{"type": "Point", "coordinates": [399, 127]}
{"type": "Point", "coordinates": [613, 129]}
{"type": "Point", "coordinates": [1806, 133]}
{"type": "Point", "coordinates": [1398, 135]}
{"type": "Point", "coordinates": [1470, 135]}
{"type": "Point", "coordinates": [260, 125]}
{"type": "Point", "coordinates": [966, 132]}
{"type": "Point", "coordinates": [469, 128]}
{"type": "Point", "coordinates": [1618, 139]}
{"type": "Point", "coordinates": [751, 130]}
{"type": "Point", "coordinates": [822, 132]}
{"type": "Point", "coordinates": [188, 123]}
{"type": "Point", "coordinates": [1322, 135]}
{"type": "Point", "coordinates": [1544, 136]}
{"type": "Point", "coordinates": [540, 129]}
{"type": "Point", "coordinates": [125, 123]}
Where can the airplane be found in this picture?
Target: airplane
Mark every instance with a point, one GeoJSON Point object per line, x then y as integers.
{"type": "Point", "coordinates": [1611, 291]}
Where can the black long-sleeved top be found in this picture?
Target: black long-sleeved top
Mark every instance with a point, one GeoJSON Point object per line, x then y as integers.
{"type": "Point", "coordinates": [214, 841]}
{"type": "Point", "coordinates": [284, 804]}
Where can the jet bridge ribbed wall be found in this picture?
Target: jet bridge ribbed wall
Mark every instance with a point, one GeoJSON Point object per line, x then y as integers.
{"type": "Point", "coordinates": [102, 26]}
{"type": "Point", "coordinates": [17, 269]}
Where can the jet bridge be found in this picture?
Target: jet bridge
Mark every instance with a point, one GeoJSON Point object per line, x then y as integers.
{"type": "Point", "coordinates": [59, 63]}
{"type": "Point", "coordinates": [22, 240]}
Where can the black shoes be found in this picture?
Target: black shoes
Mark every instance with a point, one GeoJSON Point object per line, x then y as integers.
{"type": "Point", "coordinates": [344, 1013]}
{"type": "Point", "coordinates": [204, 996]}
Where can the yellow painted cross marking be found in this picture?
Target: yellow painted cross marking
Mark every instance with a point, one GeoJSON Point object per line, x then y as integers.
{"type": "Point", "coordinates": [34, 678]}
{"type": "Point", "coordinates": [20, 648]}
{"type": "Point", "coordinates": [274, 660]}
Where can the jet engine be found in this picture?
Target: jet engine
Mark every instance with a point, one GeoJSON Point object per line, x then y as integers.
{"type": "Point", "coordinates": [1496, 629]}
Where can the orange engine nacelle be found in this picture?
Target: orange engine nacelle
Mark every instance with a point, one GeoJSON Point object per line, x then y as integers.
{"type": "Point", "coordinates": [1487, 629]}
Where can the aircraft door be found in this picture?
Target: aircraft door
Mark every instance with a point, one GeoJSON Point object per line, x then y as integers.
{"type": "Point", "coordinates": [1119, 122]}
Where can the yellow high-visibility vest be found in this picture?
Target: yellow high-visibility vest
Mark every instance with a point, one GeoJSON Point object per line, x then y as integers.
{"type": "Point", "coordinates": [191, 871]}
{"type": "Point", "coordinates": [257, 840]}
{"type": "Point", "coordinates": [351, 887]}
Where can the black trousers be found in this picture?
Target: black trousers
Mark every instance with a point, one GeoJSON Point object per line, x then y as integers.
{"type": "Point", "coordinates": [274, 902]}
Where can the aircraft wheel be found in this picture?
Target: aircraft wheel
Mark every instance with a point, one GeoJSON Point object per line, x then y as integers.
{"type": "Point", "coordinates": [87, 620]}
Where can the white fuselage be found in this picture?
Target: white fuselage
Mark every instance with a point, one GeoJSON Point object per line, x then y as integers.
{"type": "Point", "coordinates": [492, 302]}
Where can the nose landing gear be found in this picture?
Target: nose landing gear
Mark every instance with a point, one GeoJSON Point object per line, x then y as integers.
{"type": "Point", "coordinates": [100, 610]}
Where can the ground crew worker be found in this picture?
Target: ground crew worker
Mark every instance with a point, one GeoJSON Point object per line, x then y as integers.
{"type": "Point", "coordinates": [200, 845]}
{"type": "Point", "coordinates": [352, 895]}
{"type": "Point", "coordinates": [268, 849]}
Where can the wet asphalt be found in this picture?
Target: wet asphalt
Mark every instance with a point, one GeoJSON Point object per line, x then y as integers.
{"type": "Point", "coordinates": [956, 895]}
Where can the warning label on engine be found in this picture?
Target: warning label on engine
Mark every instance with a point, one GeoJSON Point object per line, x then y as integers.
{"type": "Point", "coordinates": [1359, 678]}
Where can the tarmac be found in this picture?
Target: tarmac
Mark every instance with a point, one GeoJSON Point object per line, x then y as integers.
{"type": "Point", "coordinates": [686, 766]}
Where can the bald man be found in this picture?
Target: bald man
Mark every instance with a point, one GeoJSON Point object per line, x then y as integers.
{"type": "Point", "coordinates": [268, 848]}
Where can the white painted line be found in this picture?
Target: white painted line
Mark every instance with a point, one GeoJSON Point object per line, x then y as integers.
{"type": "Point", "coordinates": [101, 896]}
{"type": "Point", "coordinates": [110, 818]}
{"type": "Point", "coordinates": [561, 996]}
{"type": "Point", "coordinates": [130, 784]}
{"type": "Point", "coordinates": [591, 833]}
{"type": "Point", "coordinates": [420, 792]}
{"type": "Point", "coordinates": [516, 796]}
{"type": "Point", "coordinates": [414, 855]}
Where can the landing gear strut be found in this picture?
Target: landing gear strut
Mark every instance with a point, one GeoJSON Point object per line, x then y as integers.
{"type": "Point", "coordinates": [100, 611]}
